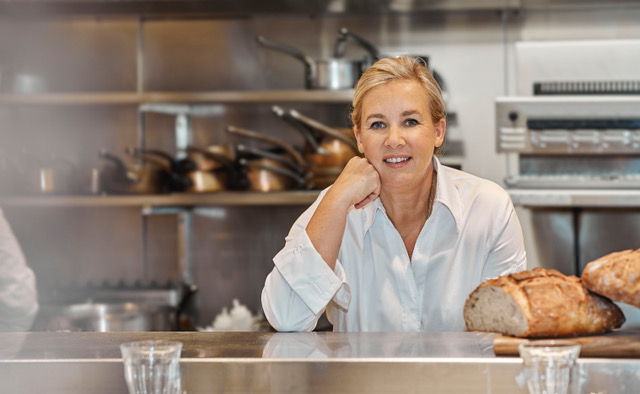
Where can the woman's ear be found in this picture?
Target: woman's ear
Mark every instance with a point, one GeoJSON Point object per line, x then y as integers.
{"type": "Point", "coordinates": [356, 132]}
{"type": "Point", "coordinates": [440, 130]}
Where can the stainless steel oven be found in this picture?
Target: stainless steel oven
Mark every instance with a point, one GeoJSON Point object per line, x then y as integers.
{"type": "Point", "coordinates": [574, 160]}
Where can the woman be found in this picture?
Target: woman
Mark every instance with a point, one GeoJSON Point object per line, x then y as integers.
{"type": "Point", "coordinates": [399, 241]}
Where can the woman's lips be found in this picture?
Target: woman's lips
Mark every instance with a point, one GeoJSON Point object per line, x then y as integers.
{"type": "Point", "coordinates": [396, 162]}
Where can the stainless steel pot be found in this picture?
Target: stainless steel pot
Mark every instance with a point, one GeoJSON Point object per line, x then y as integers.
{"type": "Point", "coordinates": [341, 43]}
{"type": "Point", "coordinates": [374, 55]}
{"type": "Point", "coordinates": [107, 317]}
{"type": "Point", "coordinates": [328, 73]}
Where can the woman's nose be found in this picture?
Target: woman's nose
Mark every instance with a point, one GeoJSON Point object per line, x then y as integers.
{"type": "Point", "coordinates": [394, 137]}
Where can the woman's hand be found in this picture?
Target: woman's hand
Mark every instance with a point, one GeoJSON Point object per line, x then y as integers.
{"type": "Point", "coordinates": [359, 182]}
{"type": "Point", "coordinates": [357, 185]}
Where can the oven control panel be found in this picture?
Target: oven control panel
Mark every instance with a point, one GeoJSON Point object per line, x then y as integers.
{"type": "Point", "coordinates": [568, 124]}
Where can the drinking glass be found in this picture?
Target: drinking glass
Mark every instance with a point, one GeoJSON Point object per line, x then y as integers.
{"type": "Point", "coordinates": [548, 365]}
{"type": "Point", "coordinates": [152, 367]}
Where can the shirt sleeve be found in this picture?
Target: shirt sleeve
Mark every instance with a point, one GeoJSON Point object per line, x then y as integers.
{"type": "Point", "coordinates": [18, 294]}
{"type": "Point", "coordinates": [301, 285]}
{"type": "Point", "coordinates": [507, 255]}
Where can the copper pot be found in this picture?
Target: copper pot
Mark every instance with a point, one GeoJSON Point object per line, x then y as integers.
{"type": "Point", "coordinates": [147, 178]}
{"type": "Point", "coordinates": [289, 150]}
{"type": "Point", "coordinates": [263, 176]}
{"type": "Point", "coordinates": [268, 171]}
{"type": "Point", "coordinates": [319, 151]}
{"type": "Point", "coordinates": [220, 154]}
{"type": "Point", "coordinates": [185, 175]}
{"type": "Point", "coordinates": [343, 135]}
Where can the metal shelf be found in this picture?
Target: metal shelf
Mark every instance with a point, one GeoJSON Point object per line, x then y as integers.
{"type": "Point", "coordinates": [152, 98]}
{"type": "Point", "coordinates": [169, 200]}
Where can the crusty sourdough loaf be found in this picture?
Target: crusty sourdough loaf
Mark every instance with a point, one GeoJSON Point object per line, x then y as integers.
{"type": "Point", "coordinates": [539, 303]}
{"type": "Point", "coordinates": [616, 275]}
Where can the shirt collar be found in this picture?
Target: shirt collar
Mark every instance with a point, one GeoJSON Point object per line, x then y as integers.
{"type": "Point", "coordinates": [446, 194]}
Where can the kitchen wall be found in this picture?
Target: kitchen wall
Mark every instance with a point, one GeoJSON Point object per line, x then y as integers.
{"type": "Point", "coordinates": [232, 246]}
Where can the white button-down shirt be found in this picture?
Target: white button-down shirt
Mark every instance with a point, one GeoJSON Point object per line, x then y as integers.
{"type": "Point", "coordinates": [473, 234]}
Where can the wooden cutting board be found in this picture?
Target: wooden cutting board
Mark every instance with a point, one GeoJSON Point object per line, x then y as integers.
{"type": "Point", "coordinates": [620, 343]}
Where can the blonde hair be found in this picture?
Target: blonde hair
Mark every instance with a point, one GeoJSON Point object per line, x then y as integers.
{"type": "Point", "coordinates": [399, 68]}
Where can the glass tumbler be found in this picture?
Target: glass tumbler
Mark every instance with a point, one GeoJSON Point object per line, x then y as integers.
{"type": "Point", "coordinates": [152, 367]}
{"type": "Point", "coordinates": [548, 365]}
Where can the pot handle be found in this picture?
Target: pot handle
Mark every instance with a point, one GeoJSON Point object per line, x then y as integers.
{"type": "Point", "coordinates": [121, 168]}
{"type": "Point", "coordinates": [344, 34]}
{"type": "Point", "coordinates": [291, 51]}
{"type": "Point", "coordinates": [141, 152]}
{"type": "Point", "coordinates": [306, 133]}
{"type": "Point", "coordinates": [300, 181]}
{"type": "Point", "coordinates": [331, 132]}
{"type": "Point", "coordinates": [269, 155]}
{"type": "Point", "coordinates": [297, 157]}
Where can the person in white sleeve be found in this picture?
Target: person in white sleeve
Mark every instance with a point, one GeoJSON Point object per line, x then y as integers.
{"type": "Point", "coordinates": [18, 294]}
{"type": "Point", "coordinates": [398, 241]}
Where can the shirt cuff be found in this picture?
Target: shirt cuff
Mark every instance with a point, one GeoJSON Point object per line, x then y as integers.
{"type": "Point", "coordinates": [309, 276]}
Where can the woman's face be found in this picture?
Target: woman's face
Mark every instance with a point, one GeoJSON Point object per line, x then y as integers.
{"type": "Point", "coordinates": [397, 134]}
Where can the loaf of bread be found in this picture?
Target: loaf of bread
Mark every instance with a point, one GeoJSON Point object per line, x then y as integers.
{"type": "Point", "coordinates": [539, 303]}
{"type": "Point", "coordinates": [616, 276]}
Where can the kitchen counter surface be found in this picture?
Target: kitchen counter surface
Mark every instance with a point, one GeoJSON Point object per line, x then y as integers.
{"type": "Point", "coordinates": [266, 362]}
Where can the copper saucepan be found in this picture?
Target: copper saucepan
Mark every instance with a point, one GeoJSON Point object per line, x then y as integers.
{"type": "Point", "coordinates": [344, 135]}
{"type": "Point", "coordinates": [185, 176]}
{"type": "Point", "coordinates": [288, 148]}
{"type": "Point", "coordinates": [269, 158]}
{"type": "Point", "coordinates": [267, 171]}
{"type": "Point", "coordinates": [147, 178]}
{"type": "Point", "coordinates": [320, 151]}
{"type": "Point", "coordinates": [206, 162]}
{"type": "Point", "coordinates": [333, 148]}
{"type": "Point", "coordinates": [220, 159]}
{"type": "Point", "coordinates": [268, 178]}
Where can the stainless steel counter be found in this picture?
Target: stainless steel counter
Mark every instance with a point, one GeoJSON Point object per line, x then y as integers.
{"type": "Point", "coordinates": [291, 363]}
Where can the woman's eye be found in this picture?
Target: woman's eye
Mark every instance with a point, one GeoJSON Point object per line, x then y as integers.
{"type": "Point", "coordinates": [411, 122]}
{"type": "Point", "coordinates": [377, 125]}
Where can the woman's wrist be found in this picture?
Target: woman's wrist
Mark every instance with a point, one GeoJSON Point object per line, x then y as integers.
{"type": "Point", "coordinates": [339, 199]}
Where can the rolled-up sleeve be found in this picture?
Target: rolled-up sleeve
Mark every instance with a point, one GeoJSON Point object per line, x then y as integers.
{"type": "Point", "coordinates": [301, 285]}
